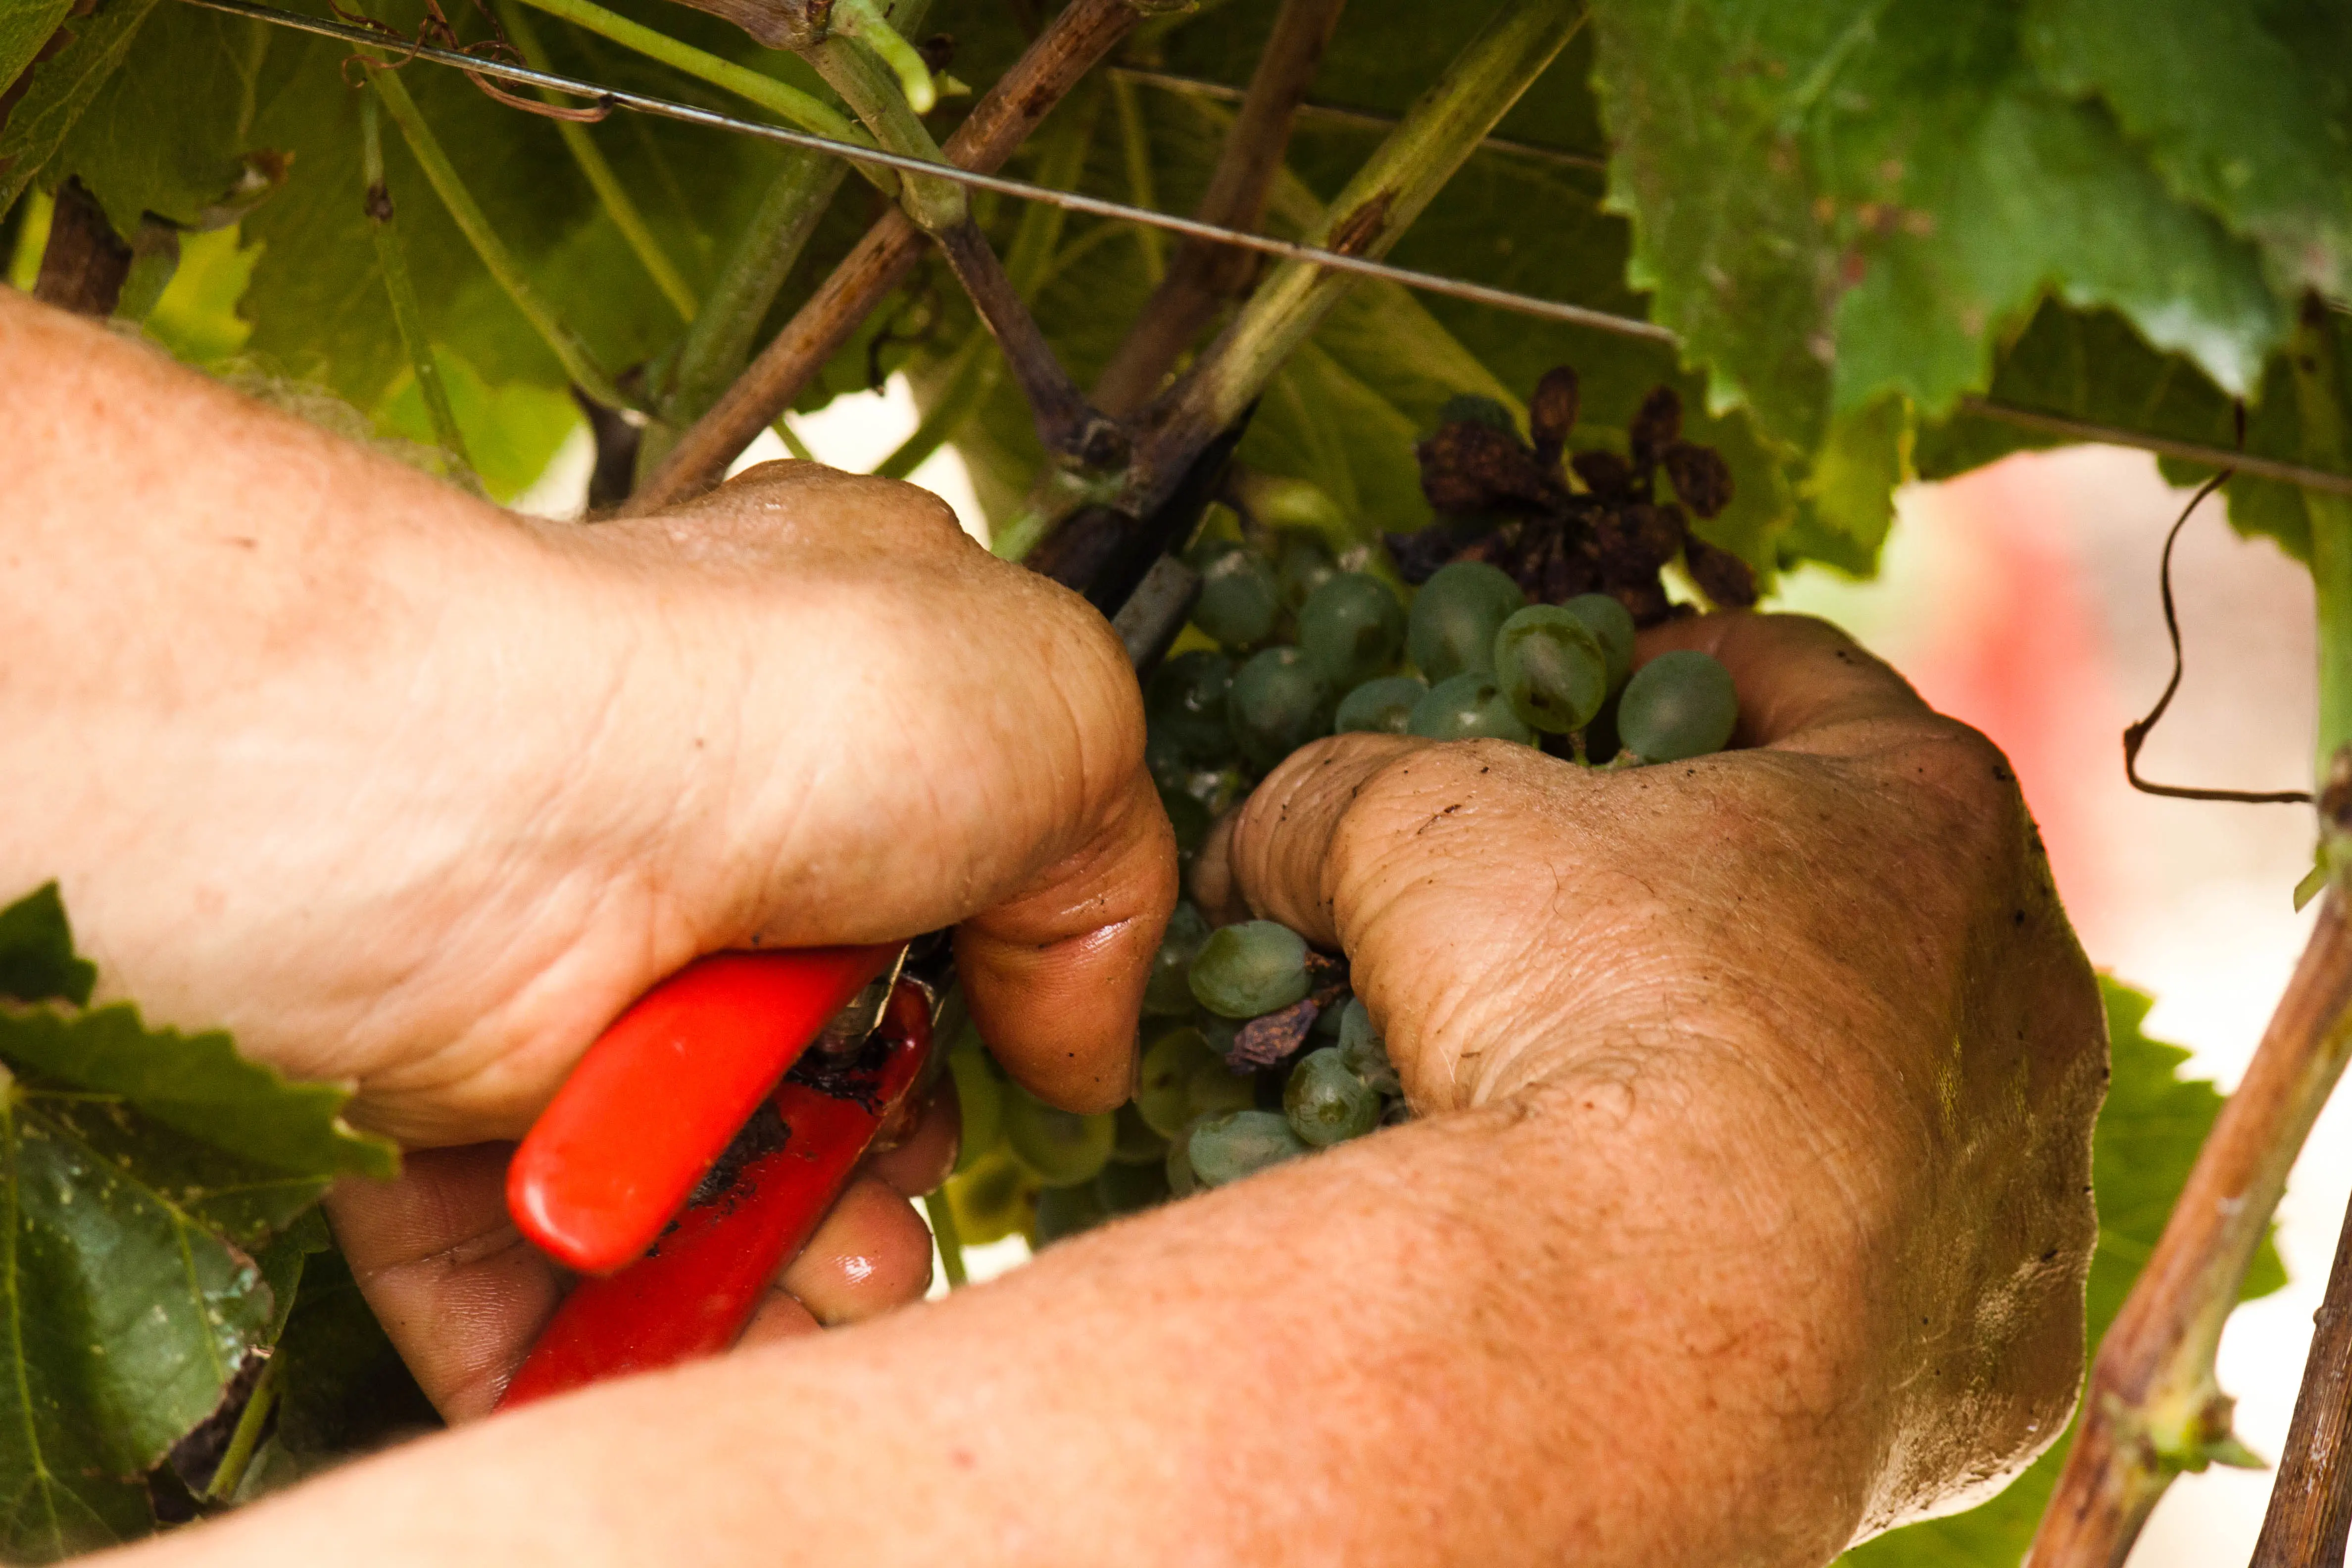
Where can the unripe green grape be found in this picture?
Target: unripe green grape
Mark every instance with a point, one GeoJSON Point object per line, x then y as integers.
{"type": "Point", "coordinates": [1361, 1048]}
{"type": "Point", "coordinates": [1612, 625]}
{"type": "Point", "coordinates": [1247, 970]}
{"type": "Point", "coordinates": [1551, 668]}
{"type": "Point", "coordinates": [1278, 703]}
{"type": "Point", "coordinates": [980, 1100]}
{"type": "Point", "coordinates": [1190, 819]}
{"type": "Point", "coordinates": [1218, 1088]}
{"type": "Point", "coordinates": [1468, 707]}
{"type": "Point", "coordinates": [1063, 1211]}
{"type": "Point", "coordinates": [1125, 1189]}
{"type": "Point", "coordinates": [1303, 562]}
{"type": "Point", "coordinates": [1163, 1087]}
{"type": "Point", "coordinates": [1679, 705]}
{"type": "Point", "coordinates": [1168, 993]}
{"type": "Point", "coordinates": [1381, 706]}
{"type": "Point", "coordinates": [1063, 1147]}
{"type": "Point", "coordinates": [1226, 1148]}
{"type": "Point", "coordinates": [1241, 599]}
{"type": "Point", "coordinates": [1455, 616]}
{"type": "Point", "coordinates": [992, 1200]}
{"type": "Point", "coordinates": [1326, 1026]}
{"type": "Point", "coordinates": [1326, 1103]}
{"type": "Point", "coordinates": [1351, 627]}
{"type": "Point", "coordinates": [1181, 1182]}
{"type": "Point", "coordinates": [1135, 1141]}
{"type": "Point", "coordinates": [1186, 704]}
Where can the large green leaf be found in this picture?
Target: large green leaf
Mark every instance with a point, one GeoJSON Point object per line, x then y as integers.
{"type": "Point", "coordinates": [168, 131]}
{"type": "Point", "coordinates": [2245, 110]}
{"type": "Point", "coordinates": [144, 1175]}
{"type": "Point", "coordinates": [60, 86]}
{"type": "Point", "coordinates": [1842, 200]}
{"type": "Point", "coordinates": [2093, 366]}
{"type": "Point", "coordinates": [24, 28]}
{"type": "Point", "coordinates": [2149, 1135]}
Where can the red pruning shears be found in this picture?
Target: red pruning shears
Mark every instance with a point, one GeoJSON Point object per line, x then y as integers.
{"type": "Point", "coordinates": [700, 1142]}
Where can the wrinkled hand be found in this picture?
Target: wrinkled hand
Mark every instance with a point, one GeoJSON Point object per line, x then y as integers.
{"type": "Point", "coordinates": [1837, 954]}
{"type": "Point", "coordinates": [411, 792]}
{"type": "Point", "coordinates": [883, 758]}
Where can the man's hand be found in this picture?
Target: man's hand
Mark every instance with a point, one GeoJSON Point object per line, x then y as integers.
{"type": "Point", "coordinates": [1826, 975]}
{"type": "Point", "coordinates": [1745, 1214]}
{"type": "Point", "coordinates": [410, 792]}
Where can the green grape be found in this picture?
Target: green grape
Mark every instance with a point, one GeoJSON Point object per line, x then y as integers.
{"type": "Point", "coordinates": [1475, 409]}
{"type": "Point", "coordinates": [1278, 704]}
{"type": "Point", "coordinates": [1326, 1103]}
{"type": "Point", "coordinates": [1302, 563]}
{"type": "Point", "coordinates": [1186, 704]}
{"type": "Point", "coordinates": [1678, 705]}
{"type": "Point", "coordinates": [1361, 1048]}
{"type": "Point", "coordinates": [1218, 1088]}
{"type": "Point", "coordinates": [1382, 706]}
{"type": "Point", "coordinates": [1061, 1146]}
{"type": "Point", "coordinates": [1163, 1089]}
{"type": "Point", "coordinates": [1063, 1211]}
{"type": "Point", "coordinates": [1168, 993]}
{"type": "Point", "coordinates": [1351, 627]}
{"type": "Point", "coordinates": [980, 1098]}
{"type": "Point", "coordinates": [1612, 625]}
{"type": "Point", "coordinates": [1181, 1182]}
{"type": "Point", "coordinates": [1226, 1148]}
{"type": "Point", "coordinates": [1467, 707]}
{"type": "Point", "coordinates": [1326, 1022]}
{"type": "Point", "coordinates": [1191, 822]}
{"type": "Point", "coordinates": [1135, 1142]}
{"type": "Point", "coordinates": [1455, 616]}
{"type": "Point", "coordinates": [1124, 1189]}
{"type": "Point", "coordinates": [1241, 599]}
{"type": "Point", "coordinates": [1246, 970]}
{"type": "Point", "coordinates": [1551, 668]}
{"type": "Point", "coordinates": [992, 1200]}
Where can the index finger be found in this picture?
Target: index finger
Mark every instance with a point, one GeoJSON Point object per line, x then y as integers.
{"type": "Point", "coordinates": [1804, 684]}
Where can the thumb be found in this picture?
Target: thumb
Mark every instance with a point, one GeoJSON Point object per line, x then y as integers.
{"type": "Point", "coordinates": [1287, 853]}
{"type": "Point", "coordinates": [1054, 975]}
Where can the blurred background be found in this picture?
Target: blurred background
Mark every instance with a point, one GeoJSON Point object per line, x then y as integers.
{"type": "Point", "coordinates": [2022, 598]}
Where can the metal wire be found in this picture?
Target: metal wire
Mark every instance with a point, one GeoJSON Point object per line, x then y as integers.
{"type": "Point", "coordinates": [1094, 206]}
{"type": "Point", "coordinates": [1340, 114]}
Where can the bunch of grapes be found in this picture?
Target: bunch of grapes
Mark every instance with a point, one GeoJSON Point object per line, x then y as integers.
{"type": "Point", "coordinates": [1255, 1050]}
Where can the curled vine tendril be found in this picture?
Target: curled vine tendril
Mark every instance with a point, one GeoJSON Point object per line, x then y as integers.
{"type": "Point", "coordinates": [436, 29]}
{"type": "Point", "coordinates": [2135, 735]}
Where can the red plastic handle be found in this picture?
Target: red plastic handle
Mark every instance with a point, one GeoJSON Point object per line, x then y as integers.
{"type": "Point", "coordinates": [693, 1294]}
{"type": "Point", "coordinates": [663, 1090]}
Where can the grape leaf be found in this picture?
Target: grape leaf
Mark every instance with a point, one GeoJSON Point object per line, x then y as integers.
{"type": "Point", "coordinates": [24, 30]}
{"type": "Point", "coordinates": [1837, 201]}
{"type": "Point", "coordinates": [2093, 366]}
{"type": "Point", "coordinates": [146, 1176]}
{"type": "Point", "coordinates": [192, 72]}
{"type": "Point", "coordinates": [2245, 110]}
{"type": "Point", "coordinates": [2148, 1134]}
{"type": "Point", "coordinates": [38, 962]}
{"type": "Point", "coordinates": [60, 86]}
{"type": "Point", "coordinates": [196, 1084]}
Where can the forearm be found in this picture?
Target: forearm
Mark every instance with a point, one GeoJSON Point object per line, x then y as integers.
{"type": "Point", "coordinates": [1573, 1329]}
{"type": "Point", "coordinates": [223, 627]}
